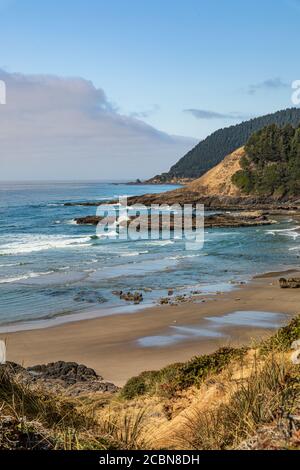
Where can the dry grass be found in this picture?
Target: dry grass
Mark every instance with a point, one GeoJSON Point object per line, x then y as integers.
{"type": "Point", "coordinates": [128, 428]}
{"type": "Point", "coordinates": [218, 179]}
{"type": "Point", "coordinates": [266, 395]}
{"type": "Point", "coordinates": [214, 401]}
{"type": "Point", "coordinates": [19, 400]}
{"type": "Point", "coordinates": [32, 418]}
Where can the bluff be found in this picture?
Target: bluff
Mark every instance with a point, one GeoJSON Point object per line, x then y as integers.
{"type": "Point", "coordinates": [263, 174]}
{"type": "Point", "coordinates": [211, 151]}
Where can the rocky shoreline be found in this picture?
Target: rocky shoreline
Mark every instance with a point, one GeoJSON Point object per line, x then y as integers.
{"type": "Point", "coordinates": [183, 196]}
{"type": "Point", "coordinates": [239, 219]}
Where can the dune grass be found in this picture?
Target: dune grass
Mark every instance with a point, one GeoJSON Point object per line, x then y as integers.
{"type": "Point", "coordinates": [175, 377]}
{"type": "Point", "coordinates": [281, 341]}
{"type": "Point", "coordinates": [269, 391]}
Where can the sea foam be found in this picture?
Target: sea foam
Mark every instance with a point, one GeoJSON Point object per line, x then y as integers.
{"type": "Point", "coordinates": [34, 243]}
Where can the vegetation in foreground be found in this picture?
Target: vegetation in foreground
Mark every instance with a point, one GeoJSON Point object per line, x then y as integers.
{"type": "Point", "coordinates": [234, 398]}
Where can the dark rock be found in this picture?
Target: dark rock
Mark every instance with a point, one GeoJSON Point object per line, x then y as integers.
{"type": "Point", "coordinates": [18, 434]}
{"type": "Point", "coordinates": [239, 219]}
{"type": "Point", "coordinates": [70, 372]}
{"type": "Point", "coordinates": [91, 297]}
{"type": "Point", "coordinates": [68, 378]}
{"type": "Point", "coordinates": [217, 203]}
{"type": "Point", "coordinates": [292, 283]}
{"type": "Point", "coordinates": [84, 203]}
{"type": "Point", "coordinates": [135, 297]}
{"type": "Point", "coordinates": [88, 220]}
{"type": "Point", "coordinates": [12, 367]}
{"type": "Point", "coordinates": [93, 386]}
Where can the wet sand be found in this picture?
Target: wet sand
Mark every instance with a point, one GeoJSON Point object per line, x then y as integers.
{"type": "Point", "coordinates": [112, 344]}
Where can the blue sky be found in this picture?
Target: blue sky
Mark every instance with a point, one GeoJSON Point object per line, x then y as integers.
{"type": "Point", "coordinates": [184, 68]}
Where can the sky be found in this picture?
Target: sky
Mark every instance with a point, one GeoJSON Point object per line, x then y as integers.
{"type": "Point", "coordinates": [110, 89]}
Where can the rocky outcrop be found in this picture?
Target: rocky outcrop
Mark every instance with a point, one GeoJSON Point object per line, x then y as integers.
{"type": "Point", "coordinates": [19, 434]}
{"type": "Point", "coordinates": [238, 219]}
{"type": "Point", "coordinates": [69, 372]}
{"type": "Point", "coordinates": [159, 179]}
{"type": "Point", "coordinates": [135, 297]}
{"type": "Point", "coordinates": [88, 220]}
{"type": "Point", "coordinates": [216, 191]}
{"type": "Point", "coordinates": [84, 203]}
{"type": "Point", "coordinates": [211, 202]}
{"type": "Point", "coordinates": [68, 378]}
{"type": "Point", "coordinates": [95, 219]}
{"type": "Point", "coordinates": [216, 202]}
{"type": "Point", "coordinates": [89, 296]}
{"type": "Point", "coordinates": [291, 283]}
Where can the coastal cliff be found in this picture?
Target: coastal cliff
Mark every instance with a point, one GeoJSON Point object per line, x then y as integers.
{"type": "Point", "coordinates": [212, 150]}
{"type": "Point", "coordinates": [264, 174]}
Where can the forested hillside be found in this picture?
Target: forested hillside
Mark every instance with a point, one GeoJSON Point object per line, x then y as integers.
{"type": "Point", "coordinates": [271, 165]}
{"type": "Point", "coordinates": [214, 148]}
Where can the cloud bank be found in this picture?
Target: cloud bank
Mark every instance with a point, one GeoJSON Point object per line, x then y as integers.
{"type": "Point", "coordinates": [270, 84]}
{"type": "Point", "coordinates": [66, 128]}
{"type": "Point", "coordinates": [205, 114]}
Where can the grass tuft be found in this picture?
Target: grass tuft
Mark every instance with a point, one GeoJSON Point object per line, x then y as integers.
{"type": "Point", "coordinates": [268, 394]}
{"type": "Point", "coordinates": [281, 341]}
{"type": "Point", "coordinates": [175, 377]}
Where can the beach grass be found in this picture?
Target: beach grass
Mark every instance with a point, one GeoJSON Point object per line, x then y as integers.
{"type": "Point", "coordinates": [216, 401]}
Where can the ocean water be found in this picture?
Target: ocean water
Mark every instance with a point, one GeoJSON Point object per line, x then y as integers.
{"type": "Point", "coordinates": [51, 267]}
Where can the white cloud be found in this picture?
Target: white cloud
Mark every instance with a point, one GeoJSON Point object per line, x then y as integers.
{"type": "Point", "coordinates": [206, 114]}
{"type": "Point", "coordinates": [64, 128]}
{"type": "Point", "coordinates": [272, 84]}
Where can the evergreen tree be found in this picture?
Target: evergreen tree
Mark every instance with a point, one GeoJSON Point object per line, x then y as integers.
{"type": "Point", "coordinates": [272, 164]}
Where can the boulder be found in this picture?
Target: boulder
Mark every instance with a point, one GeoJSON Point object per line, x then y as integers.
{"type": "Point", "coordinates": [291, 283]}
{"type": "Point", "coordinates": [67, 378]}
{"type": "Point", "coordinates": [69, 372]}
{"type": "Point", "coordinates": [135, 297]}
{"type": "Point", "coordinates": [88, 220]}
{"type": "Point", "coordinates": [89, 296]}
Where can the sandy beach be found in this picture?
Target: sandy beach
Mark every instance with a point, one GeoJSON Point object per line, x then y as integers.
{"type": "Point", "coordinates": [112, 344]}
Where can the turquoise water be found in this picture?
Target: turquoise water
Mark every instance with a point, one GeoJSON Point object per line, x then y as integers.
{"type": "Point", "coordinates": [51, 267]}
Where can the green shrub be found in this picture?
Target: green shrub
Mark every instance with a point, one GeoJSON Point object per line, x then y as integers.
{"type": "Point", "coordinates": [176, 377]}
{"type": "Point", "coordinates": [272, 163]}
{"type": "Point", "coordinates": [198, 368]}
{"type": "Point", "coordinates": [139, 385]}
{"type": "Point", "coordinates": [281, 341]}
{"type": "Point", "coordinates": [242, 179]}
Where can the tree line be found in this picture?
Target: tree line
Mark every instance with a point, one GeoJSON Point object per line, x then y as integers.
{"type": "Point", "coordinates": [271, 166]}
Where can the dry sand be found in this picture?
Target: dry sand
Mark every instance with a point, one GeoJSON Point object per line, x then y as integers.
{"type": "Point", "coordinates": [110, 344]}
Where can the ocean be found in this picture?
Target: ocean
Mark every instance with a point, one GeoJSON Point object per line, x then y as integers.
{"type": "Point", "coordinates": [51, 268]}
